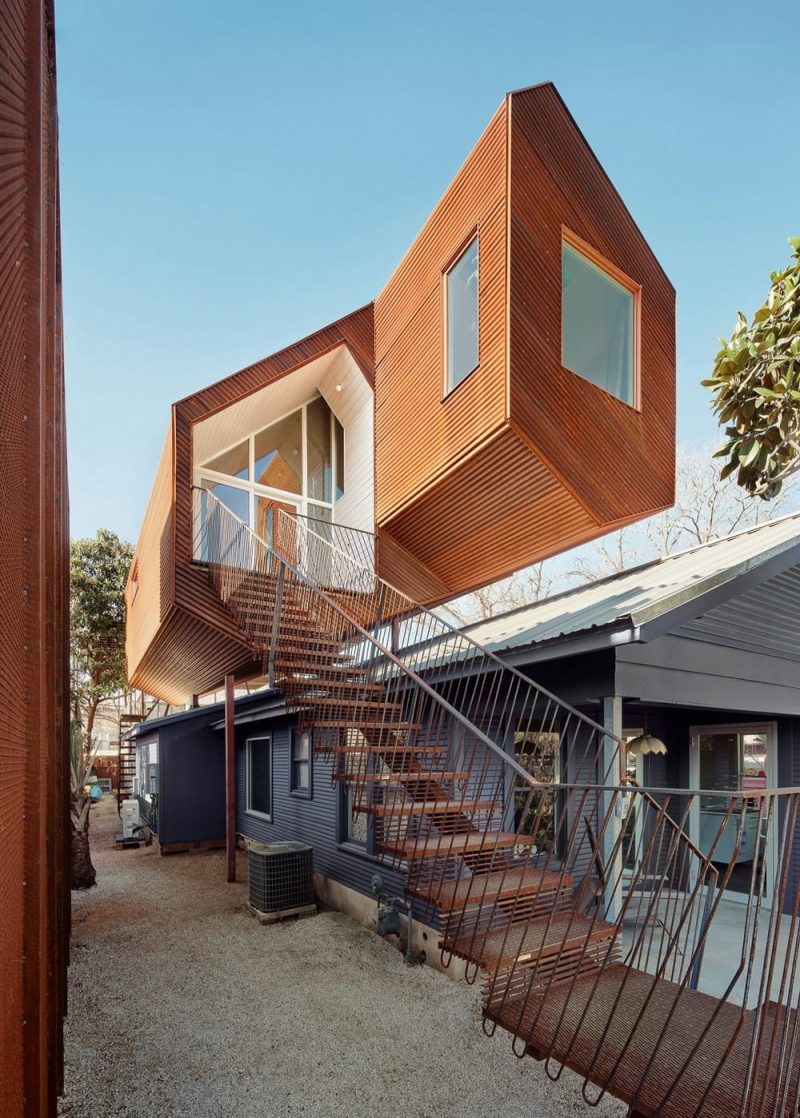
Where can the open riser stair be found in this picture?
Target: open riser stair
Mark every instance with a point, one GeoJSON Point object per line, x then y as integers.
{"type": "Point", "coordinates": [506, 813]}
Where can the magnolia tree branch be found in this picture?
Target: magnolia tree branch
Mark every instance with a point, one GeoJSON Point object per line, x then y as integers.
{"type": "Point", "coordinates": [756, 389]}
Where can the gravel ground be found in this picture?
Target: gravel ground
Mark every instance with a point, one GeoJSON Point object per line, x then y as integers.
{"type": "Point", "coordinates": [182, 1005]}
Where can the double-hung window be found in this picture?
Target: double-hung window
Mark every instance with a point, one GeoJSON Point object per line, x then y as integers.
{"type": "Point", "coordinates": [259, 776]}
{"type": "Point", "coordinates": [301, 763]}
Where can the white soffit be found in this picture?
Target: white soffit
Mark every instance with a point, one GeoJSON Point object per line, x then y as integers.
{"type": "Point", "coordinates": [252, 413]}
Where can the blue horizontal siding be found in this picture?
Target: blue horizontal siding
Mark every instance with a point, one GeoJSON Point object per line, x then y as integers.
{"type": "Point", "coordinates": [191, 784]}
{"type": "Point", "coordinates": [314, 820]}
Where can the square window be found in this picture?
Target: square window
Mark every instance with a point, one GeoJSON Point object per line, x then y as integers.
{"type": "Point", "coordinates": [598, 324]}
{"type": "Point", "coordinates": [301, 763]}
{"type": "Point", "coordinates": [259, 777]}
{"type": "Point", "coordinates": [461, 299]}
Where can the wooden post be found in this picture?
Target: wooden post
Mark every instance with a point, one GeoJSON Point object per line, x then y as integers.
{"type": "Point", "coordinates": [230, 780]}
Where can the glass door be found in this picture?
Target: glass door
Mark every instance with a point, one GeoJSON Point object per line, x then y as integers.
{"type": "Point", "coordinates": [733, 762]}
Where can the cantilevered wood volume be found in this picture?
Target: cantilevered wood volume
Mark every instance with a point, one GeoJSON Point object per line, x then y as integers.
{"type": "Point", "coordinates": [532, 281]}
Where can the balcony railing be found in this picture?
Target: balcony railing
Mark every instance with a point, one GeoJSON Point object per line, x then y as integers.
{"type": "Point", "coordinates": [603, 934]}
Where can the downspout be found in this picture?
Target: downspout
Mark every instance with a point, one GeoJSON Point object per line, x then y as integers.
{"type": "Point", "coordinates": [230, 780]}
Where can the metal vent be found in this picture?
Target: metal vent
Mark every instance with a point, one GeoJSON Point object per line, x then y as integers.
{"type": "Point", "coordinates": [280, 875]}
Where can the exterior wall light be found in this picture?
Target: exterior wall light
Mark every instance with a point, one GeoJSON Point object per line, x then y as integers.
{"type": "Point", "coordinates": [645, 743]}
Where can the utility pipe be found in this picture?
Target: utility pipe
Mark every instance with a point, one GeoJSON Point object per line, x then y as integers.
{"type": "Point", "coordinates": [230, 780]}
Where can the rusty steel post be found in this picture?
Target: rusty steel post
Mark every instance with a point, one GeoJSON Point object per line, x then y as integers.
{"type": "Point", "coordinates": [230, 780]}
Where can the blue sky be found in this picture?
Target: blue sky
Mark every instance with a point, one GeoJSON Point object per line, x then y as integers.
{"type": "Point", "coordinates": [237, 175]}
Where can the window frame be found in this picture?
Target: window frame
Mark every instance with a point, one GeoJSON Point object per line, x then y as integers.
{"type": "Point", "coordinates": [249, 809]}
{"type": "Point", "coordinates": [604, 265]}
{"type": "Point", "coordinates": [253, 490]}
{"type": "Point", "coordinates": [465, 243]}
{"type": "Point", "coordinates": [295, 789]}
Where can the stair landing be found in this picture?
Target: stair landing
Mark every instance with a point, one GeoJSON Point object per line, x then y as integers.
{"type": "Point", "coordinates": [661, 1049]}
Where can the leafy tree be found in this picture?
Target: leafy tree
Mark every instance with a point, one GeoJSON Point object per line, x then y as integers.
{"type": "Point", "coordinates": [707, 507]}
{"type": "Point", "coordinates": [756, 387]}
{"type": "Point", "coordinates": [98, 573]}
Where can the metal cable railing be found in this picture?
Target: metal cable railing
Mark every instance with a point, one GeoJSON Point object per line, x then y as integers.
{"type": "Point", "coordinates": [580, 898]}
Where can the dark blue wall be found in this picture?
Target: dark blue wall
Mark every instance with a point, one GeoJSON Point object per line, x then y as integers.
{"type": "Point", "coordinates": [191, 760]}
{"type": "Point", "coordinates": [318, 820]}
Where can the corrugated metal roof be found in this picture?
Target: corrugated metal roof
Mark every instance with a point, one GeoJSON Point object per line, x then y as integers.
{"type": "Point", "coordinates": [635, 597]}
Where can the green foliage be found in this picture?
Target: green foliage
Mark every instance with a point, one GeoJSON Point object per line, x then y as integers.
{"type": "Point", "coordinates": [98, 573]}
{"type": "Point", "coordinates": [756, 387]}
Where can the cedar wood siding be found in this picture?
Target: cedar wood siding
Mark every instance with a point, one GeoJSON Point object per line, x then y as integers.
{"type": "Point", "coordinates": [196, 642]}
{"type": "Point", "coordinates": [524, 458]}
{"type": "Point", "coordinates": [418, 435]}
{"type": "Point", "coordinates": [34, 574]}
{"type": "Point", "coordinates": [619, 462]}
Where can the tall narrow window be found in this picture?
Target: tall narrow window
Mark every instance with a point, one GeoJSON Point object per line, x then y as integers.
{"type": "Point", "coordinates": [461, 295]}
{"type": "Point", "coordinates": [259, 776]}
{"type": "Point", "coordinates": [598, 324]}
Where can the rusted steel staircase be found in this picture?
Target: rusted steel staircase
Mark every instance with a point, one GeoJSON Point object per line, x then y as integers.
{"type": "Point", "coordinates": [505, 811]}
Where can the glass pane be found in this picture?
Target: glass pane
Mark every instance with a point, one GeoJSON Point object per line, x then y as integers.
{"type": "Point", "coordinates": [235, 461]}
{"type": "Point", "coordinates": [338, 432]}
{"type": "Point", "coordinates": [278, 455]}
{"type": "Point", "coordinates": [276, 530]}
{"type": "Point", "coordinates": [733, 762]}
{"type": "Point", "coordinates": [318, 427]}
{"type": "Point", "coordinates": [237, 500]}
{"type": "Point", "coordinates": [301, 750]}
{"type": "Point", "coordinates": [462, 316]}
{"type": "Point", "coordinates": [260, 775]}
{"type": "Point", "coordinates": [596, 325]}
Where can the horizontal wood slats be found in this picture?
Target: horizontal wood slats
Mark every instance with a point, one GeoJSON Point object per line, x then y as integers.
{"type": "Point", "coordinates": [524, 458]}
{"type": "Point", "coordinates": [453, 487]}
{"type": "Point", "coordinates": [180, 639]}
{"type": "Point", "coordinates": [502, 506]}
{"type": "Point", "coordinates": [417, 434]}
{"type": "Point", "coordinates": [618, 461]}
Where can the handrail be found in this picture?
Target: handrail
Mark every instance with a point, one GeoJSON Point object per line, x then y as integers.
{"type": "Point", "coordinates": [415, 607]}
{"type": "Point", "coordinates": [452, 632]}
{"type": "Point", "coordinates": [386, 652]}
{"type": "Point", "coordinates": [653, 802]}
{"type": "Point", "coordinates": [496, 844]}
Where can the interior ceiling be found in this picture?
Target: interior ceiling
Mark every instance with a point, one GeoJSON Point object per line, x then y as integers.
{"type": "Point", "coordinates": [259, 409]}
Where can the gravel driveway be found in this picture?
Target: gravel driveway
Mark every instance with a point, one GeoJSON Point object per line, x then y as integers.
{"type": "Point", "coordinates": [182, 1005]}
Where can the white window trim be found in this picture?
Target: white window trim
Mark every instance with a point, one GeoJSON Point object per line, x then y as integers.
{"type": "Point", "coordinates": [248, 810]}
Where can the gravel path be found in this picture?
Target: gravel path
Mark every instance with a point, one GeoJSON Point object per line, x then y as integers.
{"type": "Point", "coordinates": [182, 1005]}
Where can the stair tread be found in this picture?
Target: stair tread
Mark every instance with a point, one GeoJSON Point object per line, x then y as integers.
{"type": "Point", "coordinates": [377, 750]}
{"type": "Point", "coordinates": [354, 704]}
{"type": "Point", "coordinates": [498, 885]}
{"type": "Point", "coordinates": [443, 846]}
{"type": "Point", "coordinates": [337, 684]}
{"type": "Point", "coordinates": [429, 807]}
{"type": "Point", "coordinates": [419, 776]}
{"type": "Point", "coordinates": [541, 937]}
{"type": "Point", "coordinates": [367, 725]}
{"type": "Point", "coordinates": [633, 1032]}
